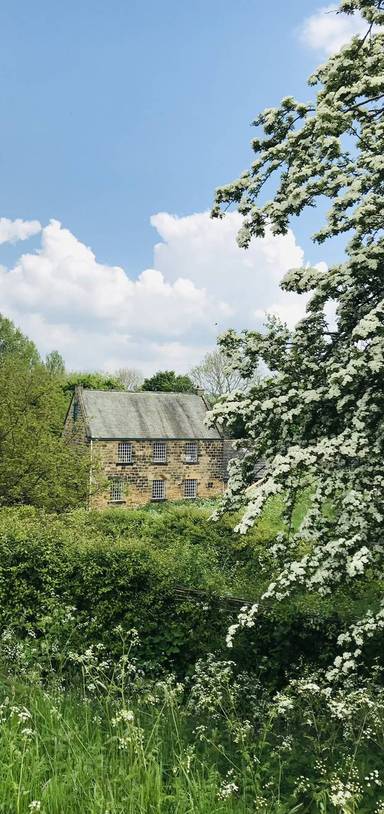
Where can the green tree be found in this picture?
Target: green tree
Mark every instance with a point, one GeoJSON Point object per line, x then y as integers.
{"type": "Point", "coordinates": [13, 342]}
{"type": "Point", "coordinates": [319, 420]}
{"type": "Point", "coordinates": [55, 364]}
{"type": "Point", "coordinates": [169, 382]}
{"type": "Point", "coordinates": [92, 381]}
{"type": "Point", "coordinates": [36, 465]}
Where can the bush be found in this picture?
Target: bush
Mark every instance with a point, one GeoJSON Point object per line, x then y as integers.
{"type": "Point", "coordinates": [110, 580]}
{"type": "Point", "coordinates": [126, 568]}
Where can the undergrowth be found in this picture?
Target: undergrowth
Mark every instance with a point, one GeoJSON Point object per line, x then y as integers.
{"type": "Point", "coordinates": [111, 740]}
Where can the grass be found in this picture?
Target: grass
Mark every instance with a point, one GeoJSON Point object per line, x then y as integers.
{"type": "Point", "coordinates": [60, 753]}
{"type": "Point", "coordinates": [74, 752]}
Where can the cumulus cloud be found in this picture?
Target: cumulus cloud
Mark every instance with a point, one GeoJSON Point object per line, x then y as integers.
{"type": "Point", "coordinates": [206, 251]}
{"type": "Point", "coordinates": [13, 230]}
{"type": "Point", "coordinates": [201, 283]}
{"type": "Point", "coordinates": [64, 280]}
{"type": "Point", "coordinates": [327, 31]}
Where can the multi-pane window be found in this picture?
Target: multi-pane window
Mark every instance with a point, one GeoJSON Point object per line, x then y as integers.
{"type": "Point", "coordinates": [191, 452]}
{"type": "Point", "coordinates": [124, 452]}
{"type": "Point", "coordinates": [159, 452]}
{"type": "Point", "coordinates": [190, 488]}
{"type": "Point", "coordinates": [116, 493]}
{"type": "Point", "coordinates": [158, 490]}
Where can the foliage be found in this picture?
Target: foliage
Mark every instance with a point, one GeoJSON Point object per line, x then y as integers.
{"type": "Point", "coordinates": [318, 420]}
{"type": "Point", "coordinates": [14, 343]}
{"type": "Point", "coordinates": [120, 741]}
{"type": "Point", "coordinates": [162, 572]}
{"type": "Point", "coordinates": [36, 465]}
{"type": "Point", "coordinates": [55, 364]}
{"type": "Point", "coordinates": [170, 382]}
{"type": "Point", "coordinates": [110, 579]}
{"type": "Point", "coordinates": [91, 381]}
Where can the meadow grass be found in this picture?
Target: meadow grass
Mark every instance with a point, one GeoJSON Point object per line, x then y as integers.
{"type": "Point", "coordinates": [61, 753]}
{"type": "Point", "coordinates": [88, 750]}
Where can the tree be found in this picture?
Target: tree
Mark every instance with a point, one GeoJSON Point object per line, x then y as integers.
{"type": "Point", "coordinates": [55, 364]}
{"type": "Point", "coordinates": [37, 466]}
{"type": "Point", "coordinates": [319, 420]}
{"type": "Point", "coordinates": [215, 376]}
{"type": "Point", "coordinates": [130, 378]}
{"type": "Point", "coordinates": [170, 382]}
{"type": "Point", "coordinates": [13, 342]}
{"type": "Point", "coordinates": [92, 381]}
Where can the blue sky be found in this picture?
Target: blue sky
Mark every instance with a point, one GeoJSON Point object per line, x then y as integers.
{"type": "Point", "coordinates": [114, 112]}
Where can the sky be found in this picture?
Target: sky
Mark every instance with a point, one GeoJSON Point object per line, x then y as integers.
{"type": "Point", "coordinates": [118, 121]}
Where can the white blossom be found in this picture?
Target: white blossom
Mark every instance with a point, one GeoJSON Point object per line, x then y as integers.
{"type": "Point", "coordinates": [317, 418]}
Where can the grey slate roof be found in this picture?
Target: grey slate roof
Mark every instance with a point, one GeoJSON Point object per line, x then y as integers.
{"type": "Point", "coordinates": [111, 414]}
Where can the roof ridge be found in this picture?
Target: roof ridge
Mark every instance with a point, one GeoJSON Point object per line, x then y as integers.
{"type": "Point", "coordinates": [141, 392]}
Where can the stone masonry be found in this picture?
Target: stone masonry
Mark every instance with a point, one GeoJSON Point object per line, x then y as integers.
{"type": "Point", "coordinates": [134, 480]}
{"type": "Point", "coordinates": [138, 476]}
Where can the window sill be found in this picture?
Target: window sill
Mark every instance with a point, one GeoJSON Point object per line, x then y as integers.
{"type": "Point", "coordinates": [190, 463]}
{"type": "Point", "coordinates": [158, 499]}
{"type": "Point", "coordinates": [160, 463]}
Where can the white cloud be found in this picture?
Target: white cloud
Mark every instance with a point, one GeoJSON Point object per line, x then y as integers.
{"type": "Point", "coordinates": [13, 230]}
{"type": "Point", "coordinates": [327, 31]}
{"type": "Point", "coordinates": [168, 317]}
{"type": "Point", "coordinates": [207, 253]}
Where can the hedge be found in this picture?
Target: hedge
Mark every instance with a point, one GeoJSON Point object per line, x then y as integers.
{"type": "Point", "coordinates": [123, 569]}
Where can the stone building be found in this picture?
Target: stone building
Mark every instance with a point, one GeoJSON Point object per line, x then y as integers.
{"type": "Point", "coordinates": [150, 446]}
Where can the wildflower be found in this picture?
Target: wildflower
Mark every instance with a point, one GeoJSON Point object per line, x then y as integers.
{"type": "Point", "coordinates": [283, 703]}
{"type": "Point", "coordinates": [373, 779]}
{"type": "Point", "coordinates": [35, 805]}
{"type": "Point", "coordinates": [226, 790]}
{"type": "Point", "coordinates": [27, 732]}
{"type": "Point", "coordinates": [123, 716]}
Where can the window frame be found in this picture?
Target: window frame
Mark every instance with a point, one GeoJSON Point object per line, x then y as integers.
{"type": "Point", "coordinates": [188, 455]}
{"type": "Point", "coordinates": [187, 483]}
{"type": "Point", "coordinates": [124, 446]}
{"type": "Point", "coordinates": [156, 446]}
{"type": "Point", "coordinates": [157, 498]}
{"type": "Point", "coordinates": [113, 498]}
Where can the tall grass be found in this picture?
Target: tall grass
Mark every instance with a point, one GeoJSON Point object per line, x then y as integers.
{"type": "Point", "coordinates": [62, 753]}
{"type": "Point", "coordinates": [115, 742]}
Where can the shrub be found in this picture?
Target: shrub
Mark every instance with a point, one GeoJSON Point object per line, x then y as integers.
{"type": "Point", "coordinates": [126, 568]}
{"type": "Point", "coordinates": [47, 561]}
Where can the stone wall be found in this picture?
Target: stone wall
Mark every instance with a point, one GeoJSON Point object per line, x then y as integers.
{"type": "Point", "coordinates": [137, 476]}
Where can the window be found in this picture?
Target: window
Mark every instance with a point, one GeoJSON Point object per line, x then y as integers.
{"type": "Point", "coordinates": [116, 494]}
{"type": "Point", "coordinates": [190, 488]}
{"type": "Point", "coordinates": [124, 452]}
{"type": "Point", "coordinates": [191, 451]}
{"type": "Point", "coordinates": [159, 452]}
{"type": "Point", "coordinates": [76, 410]}
{"type": "Point", "coordinates": [158, 490]}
